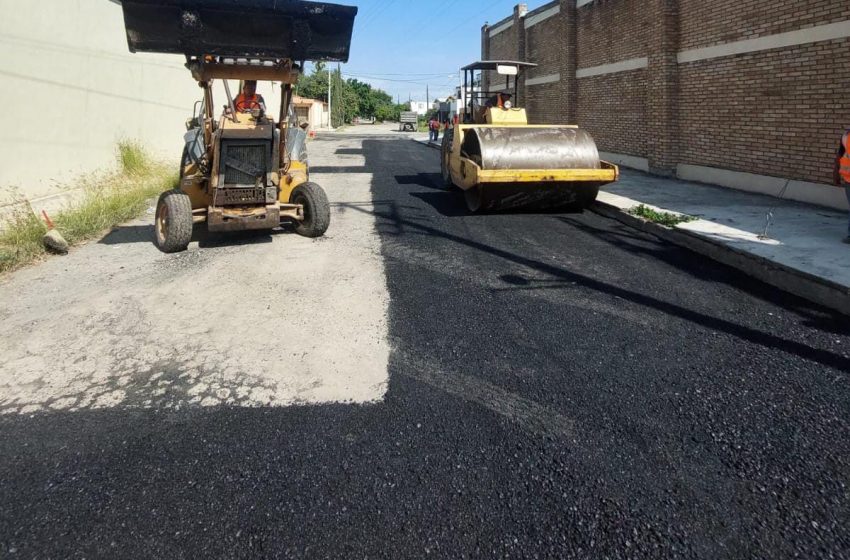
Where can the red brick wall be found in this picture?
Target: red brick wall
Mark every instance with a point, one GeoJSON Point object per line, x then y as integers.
{"type": "Point", "coordinates": [611, 31]}
{"type": "Point", "coordinates": [703, 23]}
{"type": "Point", "coordinates": [776, 112]}
{"type": "Point", "coordinates": [544, 46]}
{"type": "Point", "coordinates": [613, 109]}
{"type": "Point", "coordinates": [503, 46]}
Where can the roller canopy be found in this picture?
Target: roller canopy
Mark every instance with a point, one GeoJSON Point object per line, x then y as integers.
{"type": "Point", "coordinates": [240, 28]}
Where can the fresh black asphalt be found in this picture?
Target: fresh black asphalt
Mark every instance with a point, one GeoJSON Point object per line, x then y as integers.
{"type": "Point", "coordinates": [561, 386]}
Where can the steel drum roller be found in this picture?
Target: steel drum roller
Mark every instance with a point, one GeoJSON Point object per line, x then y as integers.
{"type": "Point", "coordinates": [531, 148]}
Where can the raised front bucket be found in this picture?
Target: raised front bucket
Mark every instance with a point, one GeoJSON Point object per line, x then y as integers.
{"type": "Point", "coordinates": [244, 28]}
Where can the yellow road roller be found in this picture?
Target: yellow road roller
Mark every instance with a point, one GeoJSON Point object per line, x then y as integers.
{"type": "Point", "coordinates": [501, 162]}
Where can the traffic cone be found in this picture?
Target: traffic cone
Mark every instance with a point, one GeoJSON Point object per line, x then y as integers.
{"type": "Point", "coordinates": [53, 240]}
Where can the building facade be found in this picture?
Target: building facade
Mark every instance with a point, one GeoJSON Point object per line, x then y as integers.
{"type": "Point", "coordinates": [72, 91]}
{"type": "Point", "coordinates": [748, 94]}
{"type": "Point", "coordinates": [311, 111]}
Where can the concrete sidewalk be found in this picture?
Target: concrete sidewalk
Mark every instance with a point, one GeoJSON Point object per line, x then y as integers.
{"type": "Point", "coordinates": [802, 252]}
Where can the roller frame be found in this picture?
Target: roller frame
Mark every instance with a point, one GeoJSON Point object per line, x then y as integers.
{"type": "Point", "coordinates": [467, 174]}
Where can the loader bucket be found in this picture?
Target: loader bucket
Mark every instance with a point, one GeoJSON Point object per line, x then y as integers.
{"type": "Point", "coordinates": [265, 29]}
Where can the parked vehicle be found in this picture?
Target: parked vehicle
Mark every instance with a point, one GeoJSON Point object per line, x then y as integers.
{"type": "Point", "coordinates": [408, 121]}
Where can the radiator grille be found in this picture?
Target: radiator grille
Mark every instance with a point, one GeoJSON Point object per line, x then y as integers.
{"type": "Point", "coordinates": [243, 165]}
{"type": "Point", "coordinates": [240, 197]}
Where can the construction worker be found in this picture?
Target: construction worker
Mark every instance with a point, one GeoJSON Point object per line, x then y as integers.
{"type": "Point", "coordinates": [841, 172]}
{"type": "Point", "coordinates": [434, 129]}
{"type": "Point", "coordinates": [501, 100]}
{"type": "Point", "coordinates": [249, 100]}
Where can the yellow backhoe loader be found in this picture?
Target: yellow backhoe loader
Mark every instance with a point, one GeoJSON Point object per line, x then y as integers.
{"type": "Point", "coordinates": [241, 170]}
{"type": "Point", "coordinates": [501, 162]}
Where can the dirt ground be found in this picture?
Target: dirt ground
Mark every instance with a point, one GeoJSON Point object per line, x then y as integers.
{"type": "Point", "coordinates": [249, 319]}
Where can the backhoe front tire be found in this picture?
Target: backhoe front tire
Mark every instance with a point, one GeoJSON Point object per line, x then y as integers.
{"type": "Point", "coordinates": [317, 210]}
{"type": "Point", "coordinates": [173, 223]}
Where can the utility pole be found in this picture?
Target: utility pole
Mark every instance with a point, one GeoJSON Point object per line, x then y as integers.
{"type": "Point", "coordinates": [340, 110]}
{"type": "Point", "coordinates": [330, 105]}
{"type": "Point", "coordinates": [427, 97]}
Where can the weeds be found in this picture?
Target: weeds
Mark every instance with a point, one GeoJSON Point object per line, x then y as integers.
{"type": "Point", "coordinates": [20, 240]}
{"type": "Point", "coordinates": [663, 218]}
{"type": "Point", "coordinates": [107, 200]}
{"type": "Point", "coordinates": [132, 158]}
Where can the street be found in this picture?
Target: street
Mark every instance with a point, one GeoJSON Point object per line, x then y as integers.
{"type": "Point", "coordinates": [420, 383]}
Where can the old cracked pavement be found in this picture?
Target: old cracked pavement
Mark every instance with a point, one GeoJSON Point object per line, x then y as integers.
{"type": "Point", "coordinates": [420, 383]}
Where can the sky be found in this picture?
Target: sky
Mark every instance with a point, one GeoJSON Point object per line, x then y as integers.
{"type": "Point", "coordinates": [406, 47]}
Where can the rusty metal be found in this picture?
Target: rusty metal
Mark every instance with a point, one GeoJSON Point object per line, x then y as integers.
{"type": "Point", "coordinates": [242, 219]}
{"type": "Point", "coordinates": [230, 102]}
{"type": "Point", "coordinates": [240, 196]}
{"type": "Point", "coordinates": [292, 212]}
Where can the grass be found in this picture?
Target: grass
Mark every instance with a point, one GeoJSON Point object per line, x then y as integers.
{"type": "Point", "coordinates": [108, 200]}
{"type": "Point", "coordinates": [663, 218]}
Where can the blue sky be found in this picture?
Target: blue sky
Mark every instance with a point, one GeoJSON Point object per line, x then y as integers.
{"type": "Point", "coordinates": [402, 45]}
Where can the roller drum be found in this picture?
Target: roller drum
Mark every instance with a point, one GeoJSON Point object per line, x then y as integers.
{"type": "Point", "coordinates": [534, 148]}
{"type": "Point", "coordinates": [518, 148]}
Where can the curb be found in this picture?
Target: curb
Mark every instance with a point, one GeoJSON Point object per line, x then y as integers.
{"type": "Point", "coordinates": [807, 286]}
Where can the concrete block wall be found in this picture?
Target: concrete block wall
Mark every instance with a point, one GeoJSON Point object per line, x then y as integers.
{"type": "Point", "coordinates": [70, 90]}
{"type": "Point", "coordinates": [750, 94]}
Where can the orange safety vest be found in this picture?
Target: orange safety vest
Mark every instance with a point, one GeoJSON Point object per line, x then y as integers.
{"type": "Point", "coordinates": [844, 162]}
{"type": "Point", "coordinates": [244, 104]}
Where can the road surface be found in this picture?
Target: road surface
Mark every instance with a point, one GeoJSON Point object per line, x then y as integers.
{"type": "Point", "coordinates": [421, 383]}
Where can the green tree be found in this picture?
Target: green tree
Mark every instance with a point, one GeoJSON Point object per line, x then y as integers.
{"type": "Point", "coordinates": [315, 85]}
{"type": "Point", "coordinates": [351, 98]}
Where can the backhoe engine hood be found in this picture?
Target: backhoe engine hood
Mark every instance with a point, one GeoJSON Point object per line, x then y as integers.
{"type": "Point", "coordinates": [264, 29]}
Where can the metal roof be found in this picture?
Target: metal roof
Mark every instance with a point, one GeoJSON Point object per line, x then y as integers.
{"type": "Point", "coordinates": [492, 64]}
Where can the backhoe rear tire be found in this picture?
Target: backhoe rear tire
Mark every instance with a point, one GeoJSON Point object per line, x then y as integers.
{"type": "Point", "coordinates": [173, 223]}
{"type": "Point", "coordinates": [317, 210]}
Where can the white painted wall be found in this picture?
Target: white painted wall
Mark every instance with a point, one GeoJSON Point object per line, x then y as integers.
{"type": "Point", "coordinates": [70, 89]}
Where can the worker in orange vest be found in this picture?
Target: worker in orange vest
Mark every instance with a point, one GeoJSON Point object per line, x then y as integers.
{"type": "Point", "coordinates": [249, 100]}
{"type": "Point", "coordinates": [841, 173]}
{"type": "Point", "coordinates": [434, 129]}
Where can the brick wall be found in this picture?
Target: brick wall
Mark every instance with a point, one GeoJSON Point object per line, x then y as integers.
{"type": "Point", "coordinates": [613, 109]}
{"type": "Point", "coordinates": [775, 111]}
{"type": "Point", "coordinates": [543, 45]}
{"type": "Point", "coordinates": [705, 23]}
{"type": "Point", "coordinates": [612, 30]}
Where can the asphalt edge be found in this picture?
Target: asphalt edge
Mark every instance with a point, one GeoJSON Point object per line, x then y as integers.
{"type": "Point", "coordinates": [813, 288]}
{"type": "Point", "coordinates": [802, 284]}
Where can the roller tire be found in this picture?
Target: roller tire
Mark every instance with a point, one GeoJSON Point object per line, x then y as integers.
{"type": "Point", "coordinates": [317, 210]}
{"type": "Point", "coordinates": [173, 222]}
{"type": "Point", "coordinates": [476, 200]}
{"type": "Point", "coordinates": [445, 158]}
